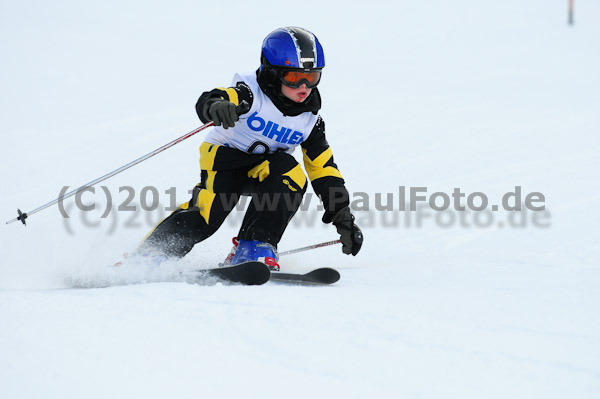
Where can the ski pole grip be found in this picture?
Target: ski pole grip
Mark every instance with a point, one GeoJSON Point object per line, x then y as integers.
{"type": "Point", "coordinates": [242, 108]}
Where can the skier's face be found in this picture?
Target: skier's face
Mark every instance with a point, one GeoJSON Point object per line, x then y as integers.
{"type": "Point", "coordinates": [297, 95]}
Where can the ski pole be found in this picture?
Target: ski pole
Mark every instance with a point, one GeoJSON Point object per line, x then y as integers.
{"type": "Point", "coordinates": [23, 215]}
{"type": "Point", "coordinates": [243, 107]}
{"type": "Point", "coordinates": [323, 244]}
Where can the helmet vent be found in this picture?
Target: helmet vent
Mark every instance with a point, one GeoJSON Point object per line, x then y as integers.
{"type": "Point", "coordinates": [306, 47]}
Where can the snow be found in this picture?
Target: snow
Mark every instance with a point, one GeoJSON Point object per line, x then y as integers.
{"type": "Point", "coordinates": [483, 96]}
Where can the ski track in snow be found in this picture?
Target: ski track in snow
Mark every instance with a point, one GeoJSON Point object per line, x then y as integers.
{"type": "Point", "coordinates": [484, 97]}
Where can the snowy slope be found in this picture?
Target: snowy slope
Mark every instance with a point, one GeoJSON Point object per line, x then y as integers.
{"type": "Point", "coordinates": [481, 96]}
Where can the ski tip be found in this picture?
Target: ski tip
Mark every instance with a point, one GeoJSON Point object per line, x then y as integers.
{"type": "Point", "coordinates": [325, 275]}
{"type": "Point", "coordinates": [321, 276]}
{"type": "Point", "coordinates": [258, 271]}
{"type": "Point", "coordinates": [248, 273]}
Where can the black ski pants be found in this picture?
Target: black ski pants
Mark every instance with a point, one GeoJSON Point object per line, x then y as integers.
{"type": "Point", "coordinates": [275, 182]}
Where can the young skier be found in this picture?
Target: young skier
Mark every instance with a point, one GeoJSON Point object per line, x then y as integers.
{"type": "Point", "coordinates": [259, 121]}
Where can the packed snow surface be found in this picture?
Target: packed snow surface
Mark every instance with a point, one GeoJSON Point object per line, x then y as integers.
{"type": "Point", "coordinates": [477, 95]}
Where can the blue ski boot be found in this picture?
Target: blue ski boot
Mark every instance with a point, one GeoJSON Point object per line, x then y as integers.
{"type": "Point", "coordinates": [248, 251]}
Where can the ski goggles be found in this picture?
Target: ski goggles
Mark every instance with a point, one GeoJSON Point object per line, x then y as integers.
{"type": "Point", "coordinates": [295, 79]}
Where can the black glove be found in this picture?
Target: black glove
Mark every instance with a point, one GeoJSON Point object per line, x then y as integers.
{"type": "Point", "coordinates": [350, 234]}
{"type": "Point", "coordinates": [223, 111]}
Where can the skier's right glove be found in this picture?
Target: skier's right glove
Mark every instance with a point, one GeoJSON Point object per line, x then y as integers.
{"type": "Point", "coordinates": [223, 112]}
{"type": "Point", "coordinates": [350, 234]}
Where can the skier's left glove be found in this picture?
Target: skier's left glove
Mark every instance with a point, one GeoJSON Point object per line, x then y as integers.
{"type": "Point", "coordinates": [350, 234]}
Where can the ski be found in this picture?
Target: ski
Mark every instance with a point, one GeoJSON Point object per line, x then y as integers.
{"type": "Point", "coordinates": [323, 275]}
{"type": "Point", "coordinates": [247, 273]}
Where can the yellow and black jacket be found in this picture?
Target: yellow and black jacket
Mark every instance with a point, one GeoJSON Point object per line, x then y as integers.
{"type": "Point", "coordinates": [322, 171]}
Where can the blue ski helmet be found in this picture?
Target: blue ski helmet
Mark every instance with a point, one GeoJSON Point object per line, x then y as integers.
{"type": "Point", "coordinates": [294, 55]}
{"type": "Point", "coordinates": [293, 47]}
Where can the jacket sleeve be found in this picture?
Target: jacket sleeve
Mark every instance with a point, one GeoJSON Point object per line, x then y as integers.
{"type": "Point", "coordinates": [235, 94]}
{"type": "Point", "coordinates": [323, 173]}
